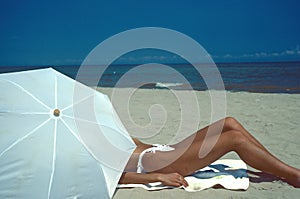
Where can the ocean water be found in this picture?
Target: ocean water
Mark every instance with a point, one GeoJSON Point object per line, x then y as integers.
{"type": "Point", "coordinates": [271, 77]}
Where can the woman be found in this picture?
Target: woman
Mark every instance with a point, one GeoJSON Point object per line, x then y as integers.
{"type": "Point", "coordinates": [169, 164]}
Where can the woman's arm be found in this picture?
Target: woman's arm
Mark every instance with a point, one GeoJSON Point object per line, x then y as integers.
{"type": "Point", "coordinates": [170, 179]}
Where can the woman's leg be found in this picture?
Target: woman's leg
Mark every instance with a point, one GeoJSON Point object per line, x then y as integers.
{"type": "Point", "coordinates": [232, 124]}
{"type": "Point", "coordinates": [229, 123]}
{"type": "Point", "coordinates": [185, 159]}
{"type": "Point", "coordinates": [234, 140]}
{"type": "Point", "coordinates": [226, 124]}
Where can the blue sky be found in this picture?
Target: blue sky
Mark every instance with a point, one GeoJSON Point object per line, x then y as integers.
{"type": "Point", "coordinates": [39, 32]}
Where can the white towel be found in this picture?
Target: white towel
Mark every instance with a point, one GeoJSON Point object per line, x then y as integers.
{"type": "Point", "coordinates": [231, 174]}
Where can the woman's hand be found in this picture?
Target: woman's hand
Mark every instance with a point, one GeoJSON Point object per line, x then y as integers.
{"type": "Point", "coordinates": [172, 179]}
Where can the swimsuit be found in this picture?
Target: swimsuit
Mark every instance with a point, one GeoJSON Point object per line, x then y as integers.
{"type": "Point", "coordinates": [156, 147]}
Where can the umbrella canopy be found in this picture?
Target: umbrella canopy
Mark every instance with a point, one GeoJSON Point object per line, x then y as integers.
{"type": "Point", "coordinates": [58, 138]}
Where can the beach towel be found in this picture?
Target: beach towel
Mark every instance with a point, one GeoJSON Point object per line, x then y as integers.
{"type": "Point", "coordinates": [230, 174]}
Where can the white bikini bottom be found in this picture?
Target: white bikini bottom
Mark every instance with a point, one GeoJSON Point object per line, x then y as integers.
{"type": "Point", "coordinates": [156, 147]}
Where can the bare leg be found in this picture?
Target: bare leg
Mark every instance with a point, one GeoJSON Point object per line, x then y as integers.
{"type": "Point", "coordinates": [249, 152]}
{"type": "Point", "coordinates": [232, 124]}
{"type": "Point", "coordinates": [229, 123]}
{"type": "Point", "coordinates": [234, 139]}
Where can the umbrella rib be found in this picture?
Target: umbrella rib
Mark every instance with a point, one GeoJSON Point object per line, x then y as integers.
{"type": "Point", "coordinates": [53, 159]}
{"type": "Point", "coordinates": [78, 139]}
{"type": "Point", "coordinates": [76, 103]}
{"type": "Point", "coordinates": [82, 120]}
{"type": "Point", "coordinates": [34, 113]}
{"type": "Point", "coordinates": [28, 93]}
{"type": "Point", "coordinates": [24, 137]}
{"type": "Point", "coordinates": [25, 113]}
{"type": "Point", "coordinates": [76, 136]}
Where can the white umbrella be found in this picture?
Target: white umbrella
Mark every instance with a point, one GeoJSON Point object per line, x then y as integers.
{"type": "Point", "coordinates": [58, 138]}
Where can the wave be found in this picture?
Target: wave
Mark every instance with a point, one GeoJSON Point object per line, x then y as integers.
{"type": "Point", "coordinates": [167, 85]}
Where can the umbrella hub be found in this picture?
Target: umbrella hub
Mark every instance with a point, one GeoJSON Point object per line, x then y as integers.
{"type": "Point", "coordinates": [56, 112]}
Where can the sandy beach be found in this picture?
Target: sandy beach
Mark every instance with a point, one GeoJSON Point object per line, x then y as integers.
{"type": "Point", "coordinates": [271, 118]}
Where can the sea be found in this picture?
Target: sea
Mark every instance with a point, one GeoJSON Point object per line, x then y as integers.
{"type": "Point", "coordinates": [259, 77]}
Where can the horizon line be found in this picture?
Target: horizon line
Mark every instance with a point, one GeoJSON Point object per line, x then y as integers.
{"type": "Point", "coordinates": [132, 64]}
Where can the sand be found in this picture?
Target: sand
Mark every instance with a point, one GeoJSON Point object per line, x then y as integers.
{"type": "Point", "coordinates": [272, 118]}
